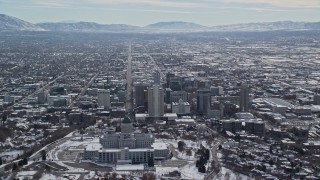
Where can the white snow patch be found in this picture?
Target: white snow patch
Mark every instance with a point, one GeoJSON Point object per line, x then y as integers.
{"type": "Point", "coordinates": [90, 175]}
{"type": "Point", "coordinates": [49, 177]}
{"type": "Point", "coordinates": [229, 174]}
{"type": "Point", "coordinates": [26, 174]}
{"type": "Point", "coordinates": [165, 170]}
{"type": "Point", "coordinates": [11, 155]}
{"type": "Point", "coordinates": [190, 171]}
{"type": "Point", "coordinates": [130, 167]}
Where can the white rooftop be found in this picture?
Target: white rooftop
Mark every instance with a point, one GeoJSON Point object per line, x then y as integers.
{"type": "Point", "coordinates": [130, 167]}
{"type": "Point", "coordinates": [159, 145]}
{"type": "Point", "coordinates": [185, 120]}
{"type": "Point", "coordinates": [170, 115]}
{"type": "Point", "coordinates": [142, 115]}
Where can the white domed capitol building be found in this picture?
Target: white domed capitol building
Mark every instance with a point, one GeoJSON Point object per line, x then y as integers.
{"type": "Point", "coordinates": [126, 146]}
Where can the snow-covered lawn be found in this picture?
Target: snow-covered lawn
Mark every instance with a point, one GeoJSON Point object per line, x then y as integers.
{"type": "Point", "coordinates": [90, 175]}
{"type": "Point", "coordinates": [26, 174]}
{"type": "Point", "coordinates": [50, 177]}
{"type": "Point", "coordinates": [188, 143]}
{"type": "Point", "coordinates": [164, 170]}
{"type": "Point", "coordinates": [184, 156]}
{"type": "Point", "coordinates": [229, 174]}
{"type": "Point", "coordinates": [60, 177]}
{"type": "Point", "coordinates": [194, 146]}
{"type": "Point", "coordinates": [190, 171]}
{"type": "Point", "coordinates": [74, 143]}
{"type": "Point", "coordinates": [11, 155]}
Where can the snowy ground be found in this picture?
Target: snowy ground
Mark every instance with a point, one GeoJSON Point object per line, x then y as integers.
{"type": "Point", "coordinates": [26, 174]}
{"type": "Point", "coordinates": [11, 155]}
{"type": "Point", "coordinates": [227, 174]}
{"type": "Point", "coordinates": [70, 168]}
{"type": "Point", "coordinates": [188, 171]}
{"type": "Point", "coordinates": [191, 172]}
{"type": "Point", "coordinates": [184, 156]}
{"type": "Point", "coordinates": [189, 145]}
{"type": "Point", "coordinates": [90, 175]}
{"type": "Point", "coordinates": [165, 170]}
{"type": "Point", "coordinates": [50, 177]}
{"type": "Point", "coordinates": [75, 144]}
{"type": "Point", "coordinates": [62, 150]}
{"type": "Point", "coordinates": [60, 177]}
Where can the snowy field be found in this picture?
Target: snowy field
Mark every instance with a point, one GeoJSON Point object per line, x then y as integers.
{"type": "Point", "coordinates": [190, 171]}
{"type": "Point", "coordinates": [26, 174]}
{"type": "Point", "coordinates": [90, 175]}
{"type": "Point", "coordinates": [227, 174]}
{"type": "Point", "coordinates": [75, 144]}
{"type": "Point", "coordinates": [188, 143]}
{"type": "Point", "coordinates": [187, 172]}
{"type": "Point", "coordinates": [51, 177]}
{"type": "Point", "coordinates": [193, 146]}
{"type": "Point", "coordinates": [60, 177]}
{"type": "Point", "coordinates": [11, 155]}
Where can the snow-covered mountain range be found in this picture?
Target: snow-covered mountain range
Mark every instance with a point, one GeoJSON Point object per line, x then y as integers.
{"type": "Point", "coordinates": [8, 23]}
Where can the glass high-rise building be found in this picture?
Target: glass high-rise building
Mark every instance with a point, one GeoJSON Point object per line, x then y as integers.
{"type": "Point", "coordinates": [155, 101]}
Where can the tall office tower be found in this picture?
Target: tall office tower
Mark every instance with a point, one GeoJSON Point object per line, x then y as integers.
{"type": "Point", "coordinates": [244, 98]}
{"type": "Point", "coordinates": [168, 95]}
{"type": "Point", "coordinates": [139, 94]}
{"type": "Point", "coordinates": [203, 100]}
{"type": "Point", "coordinates": [155, 101]}
{"type": "Point", "coordinates": [42, 96]}
{"type": "Point", "coordinates": [156, 78]}
{"type": "Point", "coordinates": [168, 76]}
{"type": "Point", "coordinates": [104, 98]}
{"type": "Point", "coordinates": [175, 83]}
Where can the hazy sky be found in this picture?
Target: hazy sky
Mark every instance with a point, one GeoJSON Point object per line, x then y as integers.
{"type": "Point", "coordinates": [143, 12]}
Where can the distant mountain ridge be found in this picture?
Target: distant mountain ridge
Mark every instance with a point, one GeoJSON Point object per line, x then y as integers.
{"type": "Point", "coordinates": [269, 26]}
{"type": "Point", "coordinates": [86, 27]}
{"type": "Point", "coordinates": [8, 23]}
{"type": "Point", "coordinates": [175, 25]}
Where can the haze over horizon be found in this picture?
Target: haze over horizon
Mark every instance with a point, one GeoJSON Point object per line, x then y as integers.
{"type": "Point", "coordinates": [144, 12]}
